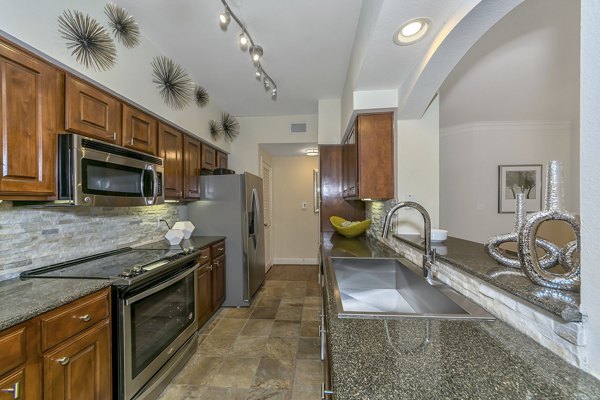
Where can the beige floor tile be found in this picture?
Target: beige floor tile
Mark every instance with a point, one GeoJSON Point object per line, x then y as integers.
{"type": "Point", "coordinates": [274, 374]}
{"type": "Point", "coordinates": [228, 327]}
{"type": "Point", "coordinates": [215, 393]}
{"type": "Point", "coordinates": [264, 313]}
{"type": "Point", "coordinates": [293, 302]}
{"type": "Point", "coordinates": [199, 370]}
{"type": "Point", "coordinates": [309, 329]}
{"type": "Point", "coordinates": [250, 346]}
{"type": "Point", "coordinates": [309, 348]}
{"type": "Point", "coordinates": [312, 301]}
{"type": "Point", "coordinates": [299, 395]}
{"type": "Point", "coordinates": [274, 291]}
{"type": "Point", "coordinates": [183, 392]}
{"type": "Point", "coordinates": [286, 329]}
{"type": "Point", "coordinates": [311, 313]}
{"type": "Point", "coordinates": [240, 313]}
{"type": "Point", "coordinates": [216, 346]}
{"type": "Point", "coordinates": [285, 313]}
{"type": "Point", "coordinates": [308, 375]}
{"type": "Point", "coordinates": [236, 372]}
{"type": "Point", "coordinates": [209, 326]}
{"type": "Point", "coordinates": [314, 291]}
{"type": "Point", "coordinates": [294, 292]}
{"type": "Point", "coordinates": [258, 394]}
{"type": "Point", "coordinates": [283, 349]}
{"type": "Point", "coordinates": [257, 327]}
{"type": "Point", "coordinates": [268, 301]}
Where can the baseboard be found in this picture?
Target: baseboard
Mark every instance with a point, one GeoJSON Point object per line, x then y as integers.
{"type": "Point", "coordinates": [296, 261]}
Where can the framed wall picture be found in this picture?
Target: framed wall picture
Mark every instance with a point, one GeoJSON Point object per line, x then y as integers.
{"type": "Point", "coordinates": [515, 179]}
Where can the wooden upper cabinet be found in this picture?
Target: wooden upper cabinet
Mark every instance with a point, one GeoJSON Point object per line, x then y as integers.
{"type": "Point", "coordinates": [221, 159]}
{"type": "Point", "coordinates": [192, 150]}
{"type": "Point", "coordinates": [91, 112]}
{"type": "Point", "coordinates": [30, 108]}
{"type": "Point", "coordinates": [170, 148]}
{"type": "Point", "coordinates": [139, 130]}
{"type": "Point", "coordinates": [209, 157]}
{"type": "Point", "coordinates": [368, 158]}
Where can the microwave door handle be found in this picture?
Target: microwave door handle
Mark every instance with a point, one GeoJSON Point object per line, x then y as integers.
{"type": "Point", "coordinates": [142, 175]}
{"type": "Point", "coordinates": [155, 187]}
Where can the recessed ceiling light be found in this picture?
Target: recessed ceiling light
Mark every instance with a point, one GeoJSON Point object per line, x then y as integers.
{"type": "Point", "coordinates": [412, 31]}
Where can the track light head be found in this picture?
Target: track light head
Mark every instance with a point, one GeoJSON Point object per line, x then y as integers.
{"type": "Point", "coordinates": [267, 84]}
{"type": "Point", "coordinates": [256, 52]}
{"type": "Point", "coordinates": [224, 18]}
{"type": "Point", "coordinates": [258, 74]}
{"type": "Point", "coordinates": [244, 40]}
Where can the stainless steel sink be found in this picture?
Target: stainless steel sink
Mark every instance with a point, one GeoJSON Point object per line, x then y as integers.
{"type": "Point", "coordinates": [389, 288]}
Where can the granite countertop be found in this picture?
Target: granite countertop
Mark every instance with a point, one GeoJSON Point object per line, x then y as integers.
{"type": "Point", "coordinates": [472, 258]}
{"type": "Point", "coordinates": [391, 359]}
{"type": "Point", "coordinates": [26, 299]}
{"type": "Point", "coordinates": [23, 299]}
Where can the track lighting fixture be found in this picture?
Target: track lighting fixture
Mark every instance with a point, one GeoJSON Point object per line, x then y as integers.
{"type": "Point", "coordinates": [224, 18]}
{"type": "Point", "coordinates": [256, 51]}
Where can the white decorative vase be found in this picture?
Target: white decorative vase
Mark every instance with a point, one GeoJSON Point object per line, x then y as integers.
{"type": "Point", "coordinates": [174, 236]}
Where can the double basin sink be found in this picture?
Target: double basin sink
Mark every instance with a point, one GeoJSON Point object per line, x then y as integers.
{"type": "Point", "coordinates": [388, 288]}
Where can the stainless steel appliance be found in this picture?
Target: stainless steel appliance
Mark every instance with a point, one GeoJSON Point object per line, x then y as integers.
{"type": "Point", "coordinates": [94, 173]}
{"type": "Point", "coordinates": [232, 207]}
{"type": "Point", "coordinates": [154, 312]}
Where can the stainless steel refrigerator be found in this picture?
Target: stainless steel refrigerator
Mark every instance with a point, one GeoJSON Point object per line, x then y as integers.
{"type": "Point", "coordinates": [232, 207]}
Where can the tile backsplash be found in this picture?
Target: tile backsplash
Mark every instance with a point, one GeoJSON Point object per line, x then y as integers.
{"type": "Point", "coordinates": [32, 237]}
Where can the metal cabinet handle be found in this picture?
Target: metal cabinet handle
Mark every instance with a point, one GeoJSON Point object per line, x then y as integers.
{"type": "Point", "coordinates": [14, 390]}
{"type": "Point", "coordinates": [220, 248]}
{"type": "Point", "coordinates": [63, 360]}
{"type": "Point", "coordinates": [210, 268]}
{"type": "Point", "coordinates": [115, 136]}
{"type": "Point", "coordinates": [325, 392]}
{"type": "Point", "coordinates": [203, 257]}
{"type": "Point", "coordinates": [86, 318]}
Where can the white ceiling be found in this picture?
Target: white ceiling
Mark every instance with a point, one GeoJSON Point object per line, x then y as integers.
{"type": "Point", "coordinates": [307, 45]}
{"type": "Point", "coordinates": [287, 149]}
{"type": "Point", "coordinates": [525, 68]}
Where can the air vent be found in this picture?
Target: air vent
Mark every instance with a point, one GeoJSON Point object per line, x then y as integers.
{"type": "Point", "coordinates": [298, 127]}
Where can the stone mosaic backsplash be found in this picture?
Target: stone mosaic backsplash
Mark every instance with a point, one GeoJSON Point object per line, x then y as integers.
{"type": "Point", "coordinates": [32, 237]}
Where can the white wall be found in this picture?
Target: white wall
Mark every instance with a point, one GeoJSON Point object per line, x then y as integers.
{"type": "Point", "coordinates": [295, 229]}
{"type": "Point", "coordinates": [590, 180]}
{"type": "Point", "coordinates": [469, 159]}
{"type": "Point", "coordinates": [329, 128]}
{"type": "Point", "coordinates": [35, 24]}
{"type": "Point", "coordinates": [257, 130]}
{"type": "Point", "coordinates": [417, 168]}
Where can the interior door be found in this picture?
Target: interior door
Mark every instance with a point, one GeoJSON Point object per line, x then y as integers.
{"type": "Point", "coordinates": [267, 175]}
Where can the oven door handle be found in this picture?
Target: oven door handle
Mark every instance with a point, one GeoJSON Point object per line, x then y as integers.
{"type": "Point", "coordinates": [163, 285]}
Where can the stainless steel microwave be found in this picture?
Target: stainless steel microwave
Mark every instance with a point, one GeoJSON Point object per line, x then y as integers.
{"type": "Point", "coordinates": [95, 173]}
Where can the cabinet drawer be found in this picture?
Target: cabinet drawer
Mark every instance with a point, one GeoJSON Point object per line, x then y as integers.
{"type": "Point", "coordinates": [204, 256]}
{"type": "Point", "coordinates": [69, 320]}
{"type": "Point", "coordinates": [12, 350]}
{"type": "Point", "coordinates": [217, 249]}
{"type": "Point", "coordinates": [13, 386]}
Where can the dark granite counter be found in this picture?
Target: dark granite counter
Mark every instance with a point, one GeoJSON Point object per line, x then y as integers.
{"type": "Point", "coordinates": [24, 299]}
{"type": "Point", "coordinates": [418, 359]}
{"type": "Point", "coordinates": [472, 258]}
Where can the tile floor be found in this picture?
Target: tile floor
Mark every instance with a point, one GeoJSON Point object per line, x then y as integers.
{"type": "Point", "coordinates": [268, 351]}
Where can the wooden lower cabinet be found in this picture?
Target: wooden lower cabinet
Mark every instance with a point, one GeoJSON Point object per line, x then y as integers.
{"type": "Point", "coordinates": [77, 367]}
{"type": "Point", "coordinates": [204, 297]}
{"type": "Point", "coordinates": [218, 282]}
{"type": "Point", "coordinates": [80, 368]}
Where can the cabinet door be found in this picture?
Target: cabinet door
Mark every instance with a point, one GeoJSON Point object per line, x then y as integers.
{"type": "Point", "coordinates": [170, 148]}
{"type": "Point", "coordinates": [350, 165]}
{"type": "Point", "coordinates": [192, 149]}
{"type": "Point", "coordinates": [139, 130]}
{"type": "Point", "coordinates": [209, 157]}
{"type": "Point", "coordinates": [81, 367]}
{"type": "Point", "coordinates": [204, 294]}
{"type": "Point", "coordinates": [221, 160]}
{"type": "Point", "coordinates": [91, 112]}
{"type": "Point", "coordinates": [29, 108]}
{"type": "Point", "coordinates": [218, 282]}
{"type": "Point", "coordinates": [375, 143]}
{"type": "Point", "coordinates": [12, 386]}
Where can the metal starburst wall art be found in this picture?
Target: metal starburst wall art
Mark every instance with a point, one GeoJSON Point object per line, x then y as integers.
{"type": "Point", "coordinates": [88, 41]}
{"type": "Point", "coordinates": [231, 128]}
{"type": "Point", "coordinates": [173, 81]}
{"type": "Point", "coordinates": [124, 27]}
{"type": "Point", "coordinates": [201, 96]}
{"type": "Point", "coordinates": [216, 131]}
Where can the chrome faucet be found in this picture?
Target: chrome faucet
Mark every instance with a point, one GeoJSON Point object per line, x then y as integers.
{"type": "Point", "coordinates": [429, 256]}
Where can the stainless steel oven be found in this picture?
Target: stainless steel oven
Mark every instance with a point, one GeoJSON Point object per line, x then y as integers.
{"type": "Point", "coordinates": [94, 173]}
{"type": "Point", "coordinates": [156, 320]}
